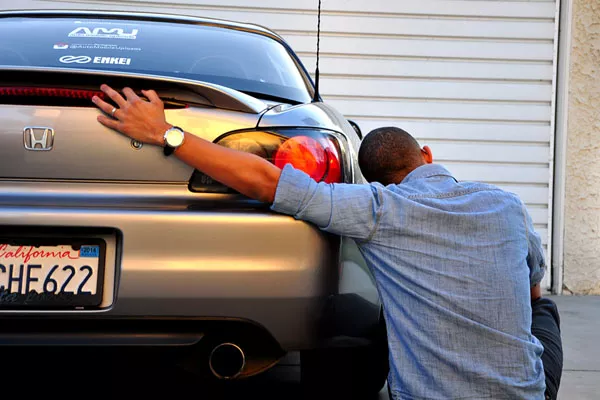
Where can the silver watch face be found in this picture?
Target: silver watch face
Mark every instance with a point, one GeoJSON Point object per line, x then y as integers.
{"type": "Point", "coordinates": [174, 137]}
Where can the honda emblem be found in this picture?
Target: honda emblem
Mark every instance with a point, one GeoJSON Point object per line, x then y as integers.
{"type": "Point", "coordinates": [38, 138]}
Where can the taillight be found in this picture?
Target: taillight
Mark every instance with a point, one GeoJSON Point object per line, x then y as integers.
{"type": "Point", "coordinates": [319, 159]}
{"type": "Point", "coordinates": [52, 96]}
{"type": "Point", "coordinates": [316, 152]}
{"type": "Point", "coordinates": [20, 91]}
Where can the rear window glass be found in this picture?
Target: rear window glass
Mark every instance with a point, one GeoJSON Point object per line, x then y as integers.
{"type": "Point", "coordinates": [244, 61]}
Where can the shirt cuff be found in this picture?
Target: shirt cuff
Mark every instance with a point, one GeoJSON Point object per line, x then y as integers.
{"type": "Point", "coordinates": [537, 275]}
{"type": "Point", "coordinates": [291, 190]}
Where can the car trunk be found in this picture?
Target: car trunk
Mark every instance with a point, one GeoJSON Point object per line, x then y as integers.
{"type": "Point", "coordinates": [78, 148]}
{"type": "Point", "coordinates": [82, 149]}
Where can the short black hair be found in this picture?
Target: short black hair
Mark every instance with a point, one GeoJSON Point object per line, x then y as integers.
{"type": "Point", "coordinates": [388, 153]}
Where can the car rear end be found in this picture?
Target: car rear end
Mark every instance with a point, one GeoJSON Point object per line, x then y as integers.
{"type": "Point", "coordinates": [105, 241]}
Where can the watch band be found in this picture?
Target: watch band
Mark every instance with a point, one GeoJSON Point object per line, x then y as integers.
{"type": "Point", "coordinates": [168, 150]}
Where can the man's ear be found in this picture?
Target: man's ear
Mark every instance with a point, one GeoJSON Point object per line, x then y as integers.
{"type": "Point", "coordinates": [427, 154]}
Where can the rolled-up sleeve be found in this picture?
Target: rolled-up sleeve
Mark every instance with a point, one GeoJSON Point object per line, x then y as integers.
{"type": "Point", "coordinates": [350, 210]}
{"type": "Point", "coordinates": [535, 257]}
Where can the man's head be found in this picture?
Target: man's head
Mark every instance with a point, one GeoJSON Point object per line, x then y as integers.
{"type": "Point", "coordinates": [388, 154]}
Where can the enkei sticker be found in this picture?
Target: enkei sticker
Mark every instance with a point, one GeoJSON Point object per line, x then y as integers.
{"type": "Point", "coordinates": [106, 33]}
{"type": "Point", "coordinates": [112, 60]}
{"type": "Point", "coordinates": [95, 60]}
{"type": "Point", "coordinates": [75, 59]}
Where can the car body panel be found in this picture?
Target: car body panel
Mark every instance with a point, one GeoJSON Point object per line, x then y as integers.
{"type": "Point", "coordinates": [86, 150]}
{"type": "Point", "coordinates": [266, 268]}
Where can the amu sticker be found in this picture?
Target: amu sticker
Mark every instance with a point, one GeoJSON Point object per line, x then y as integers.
{"type": "Point", "coordinates": [107, 33]}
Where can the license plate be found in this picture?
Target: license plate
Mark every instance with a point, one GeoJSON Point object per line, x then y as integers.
{"type": "Point", "coordinates": [51, 275]}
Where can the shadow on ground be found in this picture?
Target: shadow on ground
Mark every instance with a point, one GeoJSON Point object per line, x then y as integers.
{"type": "Point", "coordinates": [90, 374]}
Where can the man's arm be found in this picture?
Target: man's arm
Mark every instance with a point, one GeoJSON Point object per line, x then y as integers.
{"type": "Point", "coordinates": [247, 173]}
{"type": "Point", "coordinates": [348, 210]}
{"type": "Point", "coordinates": [344, 209]}
{"type": "Point", "coordinates": [535, 256]}
{"type": "Point", "coordinates": [145, 121]}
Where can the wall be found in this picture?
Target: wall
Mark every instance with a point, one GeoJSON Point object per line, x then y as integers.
{"type": "Point", "coordinates": [582, 202]}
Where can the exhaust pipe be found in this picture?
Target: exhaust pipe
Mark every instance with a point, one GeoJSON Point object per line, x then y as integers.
{"type": "Point", "coordinates": [227, 361]}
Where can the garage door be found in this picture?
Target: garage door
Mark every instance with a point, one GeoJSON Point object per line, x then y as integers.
{"type": "Point", "coordinates": [471, 79]}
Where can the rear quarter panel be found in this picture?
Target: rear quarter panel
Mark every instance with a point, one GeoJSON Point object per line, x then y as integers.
{"type": "Point", "coordinates": [355, 308]}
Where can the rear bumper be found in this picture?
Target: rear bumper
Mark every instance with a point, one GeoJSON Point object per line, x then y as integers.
{"type": "Point", "coordinates": [256, 266]}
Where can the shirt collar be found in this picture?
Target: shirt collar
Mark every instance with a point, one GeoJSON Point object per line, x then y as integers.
{"type": "Point", "coordinates": [427, 171]}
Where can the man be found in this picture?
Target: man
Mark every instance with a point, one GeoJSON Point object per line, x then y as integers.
{"type": "Point", "coordinates": [457, 264]}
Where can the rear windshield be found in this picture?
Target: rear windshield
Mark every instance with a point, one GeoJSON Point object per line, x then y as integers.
{"type": "Point", "coordinates": [244, 61]}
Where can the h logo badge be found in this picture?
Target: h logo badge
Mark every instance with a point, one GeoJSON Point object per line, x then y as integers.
{"type": "Point", "coordinates": [38, 138]}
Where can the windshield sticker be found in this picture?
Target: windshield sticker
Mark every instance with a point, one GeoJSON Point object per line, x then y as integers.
{"type": "Point", "coordinates": [94, 46]}
{"type": "Point", "coordinates": [105, 33]}
{"type": "Point", "coordinates": [94, 60]}
{"type": "Point", "coordinates": [106, 22]}
{"type": "Point", "coordinates": [75, 59]}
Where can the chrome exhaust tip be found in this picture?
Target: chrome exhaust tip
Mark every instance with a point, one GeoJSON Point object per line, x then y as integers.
{"type": "Point", "coordinates": [226, 361]}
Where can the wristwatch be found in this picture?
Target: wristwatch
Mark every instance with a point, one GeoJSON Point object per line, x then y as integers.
{"type": "Point", "coordinates": [173, 138]}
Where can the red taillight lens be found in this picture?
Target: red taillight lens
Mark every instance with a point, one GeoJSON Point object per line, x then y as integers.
{"type": "Point", "coordinates": [50, 92]}
{"type": "Point", "coordinates": [334, 173]}
{"type": "Point", "coordinates": [304, 153]}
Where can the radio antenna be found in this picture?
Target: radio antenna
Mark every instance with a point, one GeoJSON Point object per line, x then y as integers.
{"type": "Point", "coordinates": [316, 97]}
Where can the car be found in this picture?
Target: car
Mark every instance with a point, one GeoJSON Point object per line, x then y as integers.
{"type": "Point", "coordinates": [105, 243]}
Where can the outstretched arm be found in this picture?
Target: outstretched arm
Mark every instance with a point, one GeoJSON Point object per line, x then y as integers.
{"type": "Point", "coordinates": [535, 256]}
{"type": "Point", "coordinates": [342, 209]}
{"type": "Point", "coordinates": [145, 121]}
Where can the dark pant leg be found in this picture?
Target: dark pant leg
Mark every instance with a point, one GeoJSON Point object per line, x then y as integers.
{"type": "Point", "coordinates": [546, 327]}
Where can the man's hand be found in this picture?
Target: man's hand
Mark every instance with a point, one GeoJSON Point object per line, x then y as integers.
{"type": "Point", "coordinates": [139, 119]}
{"type": "Point", "coordinates": [536, 292]}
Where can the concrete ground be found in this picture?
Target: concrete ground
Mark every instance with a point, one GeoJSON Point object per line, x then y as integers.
{"type": "Point", "coordinates": [580, 324]}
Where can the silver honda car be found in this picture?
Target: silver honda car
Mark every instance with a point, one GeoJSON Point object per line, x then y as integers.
{"type": "Point", "coordinates": [104, 242]}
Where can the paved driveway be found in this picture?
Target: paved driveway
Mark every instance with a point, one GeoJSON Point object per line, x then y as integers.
{"type": "Point", "coordinates": [580, 321]}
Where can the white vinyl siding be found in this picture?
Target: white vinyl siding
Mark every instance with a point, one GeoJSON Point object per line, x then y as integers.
{"type": "Point", "coordinates": [471, 79]}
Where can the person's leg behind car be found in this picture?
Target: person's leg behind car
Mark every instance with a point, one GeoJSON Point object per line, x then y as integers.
{"type": "Point", "coordinates": [546, 327]}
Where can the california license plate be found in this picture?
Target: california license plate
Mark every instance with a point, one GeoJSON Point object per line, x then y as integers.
{"type": "Point", "coordinates": [58, 275]}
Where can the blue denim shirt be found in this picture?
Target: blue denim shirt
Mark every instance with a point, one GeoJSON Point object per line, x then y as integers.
{"type": "Point", "coordinates": [454, 263]}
